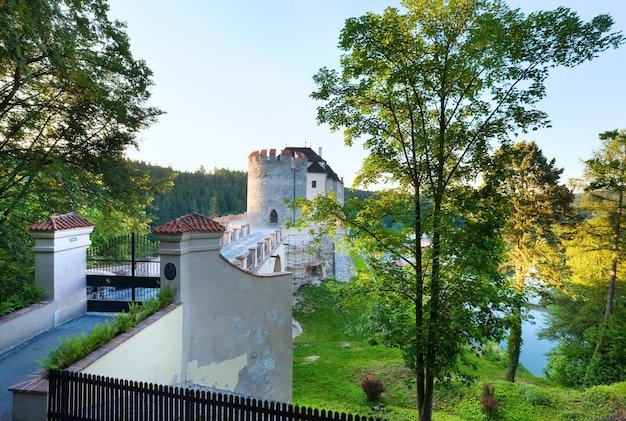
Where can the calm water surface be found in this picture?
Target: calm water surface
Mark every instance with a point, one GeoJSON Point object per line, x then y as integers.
{"type": "Point", "coordinates": [535, 350]}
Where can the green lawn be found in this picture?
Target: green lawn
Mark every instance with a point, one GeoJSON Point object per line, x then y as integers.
{"type": "Point", "coordinates": [331, 359]}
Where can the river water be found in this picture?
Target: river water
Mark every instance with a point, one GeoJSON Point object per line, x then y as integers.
{"type": "Point", "coordinates": [534, 350]}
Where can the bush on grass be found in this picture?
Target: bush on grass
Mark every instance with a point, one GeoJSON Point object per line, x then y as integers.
{"type": "Point", "coordinates": [372, 388]}
{"type": "Point", "coordinates": [489, 401]}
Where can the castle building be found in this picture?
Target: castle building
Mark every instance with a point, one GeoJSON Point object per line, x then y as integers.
{"type": "Point", "coordinates": [275, 179]}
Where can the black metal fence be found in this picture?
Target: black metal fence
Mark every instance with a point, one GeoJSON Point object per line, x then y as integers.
{"type": "Point", "coordinates": [125, 255]}
{"type": "Point", "coordinates": [82, 397]}
{"type": "Point", "coordinates": [124, 270]}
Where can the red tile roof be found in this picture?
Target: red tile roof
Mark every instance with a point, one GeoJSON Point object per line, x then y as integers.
{"type": "Point", "coordinates": [62, 222]}
{"type": "Point", "coordinates": [193, 222]}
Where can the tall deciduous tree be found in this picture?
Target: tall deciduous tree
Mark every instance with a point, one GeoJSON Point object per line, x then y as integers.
{"type": "Point", "coordinates": [427, 90]}
{"type": "Point", "coordinates": [72, 99]}
{"type": "Point", "coordinates": [537, 203]}
{"type": "Point", "coordinates": [588, 316]}
{"type": "Point", "coordinates": [606, 174]}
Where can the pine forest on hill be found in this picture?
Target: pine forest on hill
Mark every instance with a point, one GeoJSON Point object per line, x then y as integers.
{"type": "Point", "coordinates": [212, 193]}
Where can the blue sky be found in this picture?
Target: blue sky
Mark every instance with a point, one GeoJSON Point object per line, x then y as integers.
{"type": "Point", "coordinates": [235, 76]}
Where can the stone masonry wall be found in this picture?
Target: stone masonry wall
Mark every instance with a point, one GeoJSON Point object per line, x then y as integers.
{"type": "Point", "coordinates": [271, 181]}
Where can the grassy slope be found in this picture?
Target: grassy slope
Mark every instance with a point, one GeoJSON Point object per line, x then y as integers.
{"type": "Point", "coordinates": [331, 359]}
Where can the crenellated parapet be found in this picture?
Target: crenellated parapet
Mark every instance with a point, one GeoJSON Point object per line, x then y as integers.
{"type": "Point", "coordinates": [274, 178]}
{"type": "Point", "coordinates": [284, 156]}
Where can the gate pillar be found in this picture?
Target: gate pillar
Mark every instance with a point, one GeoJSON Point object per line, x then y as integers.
{"type": "Point", "coordinates": [61, 262]}
{"type": "Point", "coordinates": [187, 246]}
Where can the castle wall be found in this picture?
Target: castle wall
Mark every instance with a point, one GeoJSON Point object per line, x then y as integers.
{"type": "Point", "coordinates": [320, 185]}
{"type": "Point", "coordinates": [272, 179]}
{"type": "Point", "coordinates": [336, 187]}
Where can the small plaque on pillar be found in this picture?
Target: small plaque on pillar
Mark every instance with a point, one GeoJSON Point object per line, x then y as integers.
{"type": "Point", "coordinates": [170, 271]}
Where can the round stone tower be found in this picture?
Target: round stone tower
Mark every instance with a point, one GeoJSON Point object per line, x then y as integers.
{"type": "Point", "coordinates": [273, 180]}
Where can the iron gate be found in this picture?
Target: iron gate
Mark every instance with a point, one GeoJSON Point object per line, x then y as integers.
{"type": "Point", "coordinates": [125, 269]}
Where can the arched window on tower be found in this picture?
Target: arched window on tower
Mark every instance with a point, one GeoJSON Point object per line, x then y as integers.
{"type": "Point", "coordinates": [273, 216]}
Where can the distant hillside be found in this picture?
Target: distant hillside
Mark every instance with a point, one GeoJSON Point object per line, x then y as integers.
{"type": "Point", "coordinates": [213, 193]}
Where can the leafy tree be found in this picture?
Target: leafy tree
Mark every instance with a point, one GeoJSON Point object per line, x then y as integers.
{"type": "Point", "coordinates": [537, 203]}
{"type": "Point", "coordinates": [72, 99]}
{"type": "Point", "coordinates": [595, 255]}
{"type": "Point", "coordinates": [606, 173]}
{"type": "Point", "coordinates": [427, 91]}
{"type": "Point", "coordinates": [577, 313]}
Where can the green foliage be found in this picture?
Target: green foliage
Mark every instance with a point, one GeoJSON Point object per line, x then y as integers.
{"type": "Point", "coordinates": [427, 89]}
{"type": "Point", "coordinates": [588, 314]}
{"type": "Point", "coordinates": [14, 296]}
{"type": "Point", "coordinates": [537, 204]}
{"type": "Point", "coordinates": [576, 321]}
{"type": "Point", "coordinates": [17, 286]}
{"type": "Point", "coordinates": [75, 348]}
{"type": "Point", "coordinates": [72, 99]}
{"type": "Point", "coordinates": [328, 381]}
{"type": "Point", "coordinates": [217, 193]}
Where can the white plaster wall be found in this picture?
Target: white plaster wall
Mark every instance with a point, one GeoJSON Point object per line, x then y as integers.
{"type": "Point", "coordinates": [320, 187]}
{"type": "Point", "coordinates": [236, 325]}
{"type": "Point", "coordinates": [19, 329]}
{"type": "Point", "coordinates": [60, 267]}
{"type": "Point", "coordinates": [152, 355]}
{"type": "Point", "coordinates": [267, 268]}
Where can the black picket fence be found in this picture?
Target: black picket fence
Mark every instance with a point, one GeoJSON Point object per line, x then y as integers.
{"type": "Point", "coordinates": [83, 397]}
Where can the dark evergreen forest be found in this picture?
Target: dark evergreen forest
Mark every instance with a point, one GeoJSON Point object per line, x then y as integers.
{"type": "Point", "coordinates": [213, 193]}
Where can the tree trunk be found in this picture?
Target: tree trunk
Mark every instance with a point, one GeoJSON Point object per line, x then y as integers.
{"type": "Point", "coordinates": [426, 410]}
{"type": "Point", "coordinates": [514, 344]}
{"type": "Point", "coordinates": [610, 296]}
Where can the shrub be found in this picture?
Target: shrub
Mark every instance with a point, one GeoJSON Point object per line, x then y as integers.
{"type": "Point", "coordinates": [372, 388]}
{"type": "Point", "coordinates": [73, 349]}
{"type": "Point", "coordinates": [489, 401]}
{"type": "Point", "coordinates": [22, 294]}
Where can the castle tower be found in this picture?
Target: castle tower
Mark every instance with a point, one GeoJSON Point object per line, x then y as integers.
{"type": "Point", "coordinates": [272, 180]}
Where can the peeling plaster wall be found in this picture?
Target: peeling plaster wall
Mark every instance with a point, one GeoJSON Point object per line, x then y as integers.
{"type": "Point", "coordinates": [240, 328]}
{"type": "Point", "coordinates": [237, 333]}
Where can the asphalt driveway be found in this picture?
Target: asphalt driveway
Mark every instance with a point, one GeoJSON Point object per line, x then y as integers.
{"type": "Point", "coordinates": [21, 361]}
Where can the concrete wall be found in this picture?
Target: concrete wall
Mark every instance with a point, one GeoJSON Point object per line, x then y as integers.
{"type": "Point", "coordinates": [269, 265]}
{"type": "Point", "coordinates": [60, 268]}
{"type": "Point", "coordinates": [19, 326]}
{"type": "Point", "coordinates": [242, 332]}
{"type": "Point", "coordinates": [152, 355]}
{"type": "Point", "coordinates": [236, 325]}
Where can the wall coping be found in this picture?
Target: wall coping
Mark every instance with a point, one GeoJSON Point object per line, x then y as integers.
{"type": "Point", "coordinates": [37, 382]}
{"type": "Point", "coordinates": [6, 318]}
